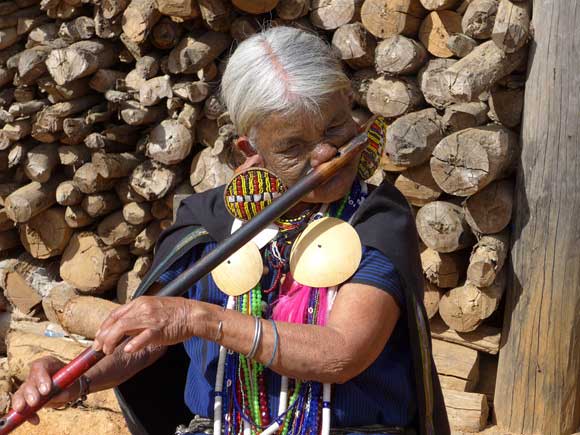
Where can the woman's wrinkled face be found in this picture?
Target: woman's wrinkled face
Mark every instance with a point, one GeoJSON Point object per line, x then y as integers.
{"type": "Point", "coordinates": [291, 146]}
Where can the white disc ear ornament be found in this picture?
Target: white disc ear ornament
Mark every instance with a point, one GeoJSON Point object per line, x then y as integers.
{"type": "Point", "coordinates": [327, 253]}
{"type": "Point", "coordinates": [241, 272]}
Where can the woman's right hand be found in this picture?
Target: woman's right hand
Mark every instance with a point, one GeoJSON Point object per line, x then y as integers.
{"type": "Point", "coordinates": [39, 384]}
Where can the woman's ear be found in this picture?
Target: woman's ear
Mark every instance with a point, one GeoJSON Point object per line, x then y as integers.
{"type": "Point", "coordinates": [243, 144]}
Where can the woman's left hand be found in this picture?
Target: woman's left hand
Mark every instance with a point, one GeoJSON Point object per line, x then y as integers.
{"type": "Point", "coordinates": [151, 320]}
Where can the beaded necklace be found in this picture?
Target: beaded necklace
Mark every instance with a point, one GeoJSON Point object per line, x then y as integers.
{"type": "Point", "coordinates": [244, 403]}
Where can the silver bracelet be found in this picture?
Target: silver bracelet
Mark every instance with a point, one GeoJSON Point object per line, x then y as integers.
{"type": "Point", "coordinates": [257, 338]}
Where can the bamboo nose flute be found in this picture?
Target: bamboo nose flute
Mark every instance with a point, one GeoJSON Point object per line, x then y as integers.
{"type": "Point", "coordinates": [66, 376]}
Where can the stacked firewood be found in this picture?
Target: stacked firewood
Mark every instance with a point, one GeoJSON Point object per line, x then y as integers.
{"type": "Point", "coordinates": [108, 109]}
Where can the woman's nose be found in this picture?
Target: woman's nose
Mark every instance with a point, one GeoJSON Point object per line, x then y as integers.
{"type": "Point", "coordinates": [323, 152]}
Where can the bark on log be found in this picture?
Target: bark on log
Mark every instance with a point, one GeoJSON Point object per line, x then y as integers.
{"type": "Point", "coordinates": [457, 366]}
{"type": "Point", "coordinates": [192, 54]}
{"type": "Point", "coordinates": [100, 204]}
{"type": "Point", "coordinates": [433, 84]}
{"type": "Point", "coordinates": [127, 285]}
{"type": "Point", "coordinates": [83, 315]}
{"type": "Point", "coordinates": [418, 186]}
{"type": "Point", "coordinates": [160, 210]}
{"type": "Point", "coordinates": [139, 18]}
{"type": "Point", "coordinates": [8, 240]}
{"type": "Point", "coordinates": [79, 60]}
{"type": "Point", "coordinates": [145, 240]}
{"type": "Point", "coordinates": [411, 138]}
{"type": "Point", "coordinates": [154, 90]}
{"type": "Point", "coordinates": [292, 9]}
{"type": "Point", "coordinates": [169, 143]}
{"type": "Point", "coordinates": [46, 234]}
{"type": "Point", "coordinates": [255, 7]}
{"type": "Point", "coordinates": [443, 270]}
{"type": "Point", "coordinates": [67, 193]}
{"type": "Point", "coordinates": [487, 259]}
{"type": "Point", "coordinates": [135, 114]}
{"type": "Point", "coordinates": [60, 93]}
{"type": "Point", "coordinates": [436, 29]}
{"type": "Point", "coordinates": [91, 266]}
{"type": "Point", "coordinates": [166, 34]}
{"type": "Point", "coordinates": [31, 199]}
{"type": "Point", "coordinates": [385, 18]}
{"type": "Point", "coordinates": [479, 70]}
{"type": "Point", "coordinates": [484, 339]}
{"type": "Point", "coordinates": [40, 162]}
{"type": "Point", "coordinates": [152, 180]}
{"type": "Point", "coordinates": [442, 227]}
{"type": "Point", "coordinates": [126, 193]}
{"type": "Point", "coordinates": [137, 213]}
{"type": "Point", "coordinates": [115, 231]}
{"type": "Point", "coordinates": [6, 224]}
{"type": "Point", "coordinates": [466, 411]}
{"type": "Point", "coordinates": [110, 165]}
{"type": "Point", "coordinates": [76, 217]}
{"type": "Point", "coordinates": [243, 27]}
{"type": "Point", "coordinates": [27, 108]}
{"type": "Point", "coordinates": [460, 45]}
{"type": "Point", "coordinates": [74, 156]}
{"type": "Point", "coordinates": [112, 8]}
{"type": "Point", "coordinates": [79, 29]}
{"type": "Point", "coordinates": [106, 79]}
{"type": "Point", "coordinates": [512, 25]}
{"type": "Point", "coordinates": [8, 37]}
{"type": "Point", "coordinates": [391, 97]}
{"type": "Point", "coordinates": [399, 55]}
{"type": "Point", "coordinates": [464, 115]}
{"type": "Point", "coordinates": [506, 105]}
{"type": "Point", "coordinates": [217, 14]}
{"type": "Point", "coordinates": [193, 92]}
{"type": "Point", "coordinates": [479, 17]}
{"type": "Point", "coordinates": [489, 211]}
{"type": "Point", "coordinates": [465, 162]}
{"type": "Point", "coordinates": [89, 180]}
{"type": "Point", "coordinates": [354, 45]}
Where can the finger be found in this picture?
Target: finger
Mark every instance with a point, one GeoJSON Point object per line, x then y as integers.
{"type": "Point", "coordinates": [42, 380]}
{"type": "Point", "coordinates": [18, 402]}
{"type": "Point", "coordinates": [34, 419]}
{"type": "Point", "coordinates": [140, 341]}
{"type": "Point", "coordinates": [113, 317]}
{"type": "Point", "coordinates": [123, 327]}
{"type": "Point", "coordinates": [31, 395]}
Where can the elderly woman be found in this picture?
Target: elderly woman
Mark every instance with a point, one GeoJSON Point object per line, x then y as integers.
{"type": "Point", "coordinates": [290, 103]}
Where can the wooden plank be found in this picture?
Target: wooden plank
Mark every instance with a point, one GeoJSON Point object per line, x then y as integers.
{"type": "Point", "coordinates": [485, 338]}
{"type": "Point", "coordinates": [538, 387]}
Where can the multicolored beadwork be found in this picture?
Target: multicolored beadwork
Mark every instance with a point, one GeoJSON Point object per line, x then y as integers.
{"type": "Point", "coordinates": [371, 156]}
{"type": "Point", "coordinates": [250, 191]}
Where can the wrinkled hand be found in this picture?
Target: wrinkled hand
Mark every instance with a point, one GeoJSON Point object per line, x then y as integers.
{"type": "Point", "coordinates": [151, 320]}
{"type": "Point", "coordinates": [39, 384]}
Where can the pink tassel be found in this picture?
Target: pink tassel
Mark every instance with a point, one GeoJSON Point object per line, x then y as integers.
{"type": "Point", "coordinates": [292, 304]}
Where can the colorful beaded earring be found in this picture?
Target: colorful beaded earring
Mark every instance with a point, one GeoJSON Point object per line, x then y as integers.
{"type": "Point", "coordinates": [250, 191]}
{"type": "Point", "coordinates": [371, 156]}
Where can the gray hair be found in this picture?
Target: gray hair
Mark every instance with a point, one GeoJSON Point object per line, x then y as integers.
{"type": "Point", "coordinates": [282, 70]}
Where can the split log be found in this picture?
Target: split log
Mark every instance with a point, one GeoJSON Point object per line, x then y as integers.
{"type": "Point", "coordinates": [399, 55]}
{"type": "Point", "coordinates": [146, 68]}
{"type": "Point", "coordinates": [489, 211]}
{"type": "Point", "coordinates": [331, 14]}
{"type": "Point", "coordinates": [433, 85]}
{"type": "Point", "coordinates": [137, 213]}
{"type": "Point", "coordinates": [100, 204]}
{"type": "Point", "coordinates": [152, 180]}
{"type": "Point", "coordinates": [8, 37]}
{"type": "Point", "coordinates": [354, 45]}
{"type": "Point", "coordinates": [112, 8]}
{"type": "Point", "coordinates": [50, 120]}
{"type": "Point", "coordinates": [213, 107]}
{"type": "Point", "coordinates": [464, 308]}
{"type": "Point", "coordinates": [79, 60]}
{"type": "Point", "coordinates": [193, 92]}
{"type": "Point", "coordinates": [110, 165]}
{"type": "Point", "coordinates": [255, 7]}
{"type": "Point", "coordinates": [154, 90]}
{"type": "Point", "coordinates": [166, 34]}
{"type": "Point", "coordinates": [67, 193]}
{"type": "Point", "coordinates": [145, 240]}
{"type": "Point", "coordinates": [487, 259]}
{"type": "Point", "coordinates": [142, 265]}
{"type": "Point", "coordinates": [391, 97]}
{"type": "Point", "coordinates": [40, 161]}
{"type": "Point", "coordinates": [17, 130]}
{"type": "Point", "coordinates": [457, 366]}
{"type": "Point", "coordinates": [31, 199]}
{"type": "Point", "coordinates": [108, 28]}
{"type": "Point", "coordinates": [126, 193]}
{"type": "Point", "coordinates": [192, 54]}
{"type": "Point", "coordinates": [464, 115]}
{"type": "Point", "coordinates": [384, 18]}
{"type": "Point", "coordinates": [208, 172]}
{"type": "Point", "coordinates": [74, 156]}
{"type": "Point", "coordinates": [91, 266]}
{"type": "Point", "coordinates": [479, 70]}
{"type": "Point", "coordinates": [106, 79]}
{"type": "Point", "coordinates": [442, 227]}
{"type": "Point", "coordinates": [511, 28]}
{"type": "Point", "coordinates": [169, 143]}
{"type": "Point", "coordinates": [76, 217]}
{"type": "Point", "coordinates": [127, 285]}
{"type": "Point", "coordinates": [418, 186]}
{"type": "Point", "coordinates": [27, 108]}
{"type": "Point", "coordinates": [479, 18]}
{"type": "Point", "coordinates": [292, 9]}
{"type": "Point", "coordinates": [436, 29]}
{"type": "Point", "coordinates": [431, 299]}
{"type": "Point", "coordinates": [466, 411]}
{"type": "Point", "coordinates": [135, 114]}
{"type": "Point", "coordinates": [59, 93]}
{"type": "Point", "coordinates": [46, 234]}
{"type": "Point", "coordinates": [460, 45]}
{"type": "Point", "coordinates": [484, 339]}
{"type": "Point", "coordinates": [56, 299]}
{"type": "Point", "coordinates": [83, 315]}
{"type": "Point", "coordinates": [81, 28]}
{"type": "Point", "coordinates": [8, 240]}
{"type": "Point", "coordinates": [411, 138]}
{"type": "Point", "coordinates": [443, 270]}
{"type": "Point", "coordinates": [217, 14]}
{"type": "Point", "coordinates": [139, 18]}
{"type": "Point", "coordinates": [465, 162]}
{"type": "Point", "coordinates": [114, 230]}
{"type": "Point", "coordinates": [243, 27]}
{"type": "Point", "coordinates": [17, 154]}
{"type": "Point", "coordinates": [89, 180]}
{"type": "Point", "coordinates": [160, 210]}
{"type": "Point", "coordinates": [506, 106]}
{"type": "Point", "coordinates": [438, 5]}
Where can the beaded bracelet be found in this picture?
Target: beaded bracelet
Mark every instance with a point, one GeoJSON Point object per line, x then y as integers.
{"type": "Point", "coordinates": [276, 340]}
{"type": "Point", "coordinates": [257, 338]}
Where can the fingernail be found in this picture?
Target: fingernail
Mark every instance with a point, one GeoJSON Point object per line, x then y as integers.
{"type": "Point", "coordinates": [44, 388]}
{"type": "Point", "coordinates": [30, 398]}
